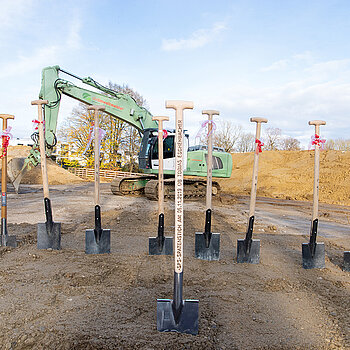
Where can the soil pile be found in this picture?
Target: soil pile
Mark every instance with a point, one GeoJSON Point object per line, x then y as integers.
{"type": "Point", "coordinates": [56, 175]}
{"type": "Point", "coordinates": [290, 175]}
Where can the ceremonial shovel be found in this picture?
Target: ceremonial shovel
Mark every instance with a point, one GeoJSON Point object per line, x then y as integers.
{"type": "Point", "coordinates": [6, 240]}
{"type": "Point", "coordinates": [49, 233]}
{"type": "Point", "coordinates": [98, 240]}
{"type": "Point", "coordinates": [207, 244]}
{"type": "Point", "coordinates": [160, 245]}
{"type": "Point", "coordinates": [178, 315]}
{"type": "Point", "coordinates": [248, 249]}
{"type": "Point", "coordinates": [314, 253]}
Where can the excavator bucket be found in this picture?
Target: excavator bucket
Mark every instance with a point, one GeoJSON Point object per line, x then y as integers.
{"type": "Point", "coordinates": [16, 168]}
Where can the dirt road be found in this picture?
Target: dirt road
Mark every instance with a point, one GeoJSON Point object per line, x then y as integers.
{"type": "Point", "coordinates": [68, 300]}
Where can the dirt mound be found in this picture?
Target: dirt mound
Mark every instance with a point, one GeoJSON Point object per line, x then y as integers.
{"type": "Point", "coordinates": [56, 175]}
{"type": "Point", "coordinates": [290, 175]}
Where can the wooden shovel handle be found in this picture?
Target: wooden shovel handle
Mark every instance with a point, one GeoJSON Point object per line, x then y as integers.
{"type": "Point", "coordinates": [45, 179]}
{"type": "Point", "coordinates": [210, 112]}
{"type": "Point", "coordinates": [258, 120]}
{"type": "Point", "coordinates": [160, 119]}
{"type": "Point", "coordinates": [39, 102]}
{"type": "Point", "coordinates": [179, 104]}
{"type": "Point", "coordinates": [96, 109]}
{"type": "Point", "coordinates": [7, 116]}
{"type": "Point", "coordinates": [317, 122]}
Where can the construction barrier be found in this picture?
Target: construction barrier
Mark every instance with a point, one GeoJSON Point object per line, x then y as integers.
{"type": "Point", "coordinates": [87, 173]}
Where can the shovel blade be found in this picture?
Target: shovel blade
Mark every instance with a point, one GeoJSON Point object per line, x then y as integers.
{"type": "Point", "coordinates": [8, 241]}
{"type": "Point", "coordinates": [346, 265]}
{"type": "Point", "coordinates": [47, 239]}
{"type": "Point", "coordinates": [317, 261]}
{"type": "Point", "coordinates": [210, 253]}
{"type": "Point", "coordinates": [187, 320]}
{"type": "Point", "coordinates": [153, 248]}
{"type": "Point", "coordinates": [103, 246]}
{"type": "Point", "coordinates": [251, 257]}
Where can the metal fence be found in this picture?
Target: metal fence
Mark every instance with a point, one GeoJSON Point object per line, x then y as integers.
{"type": "Point", "coordinates": [87, 173]}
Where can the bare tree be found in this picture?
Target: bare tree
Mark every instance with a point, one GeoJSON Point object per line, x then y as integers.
{"type": "Point", "coordinates": [121, 140]}
{"type": "Point", "coordinates": [290, 144]}
{"type": "Point", "coordinates": [273, 138]}
{"type": "Point", "coordinates": [227, 135]}
{"type": "Point", "coordinates": [337, 144]}
{"type": "Point", "coordinates": [246, 143]}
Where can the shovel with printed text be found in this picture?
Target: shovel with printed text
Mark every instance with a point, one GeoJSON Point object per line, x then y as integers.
{"type": "Point", "coordinates": [178, 315]}
{"type": "Point", "coordinates": [98, 240]}
{"type": "Point", "coordinates": [49, 232]}
{"type": "Point", "coordinates": [6, 240]}
{"type": "Point", "coordinates": [314, 253]}
{"type": "Point", "coordinates": [207, 244]}
{"type": "Point", "coordinates": [248, 249]}
{"type": "Point", "coordinates": [160, 245]}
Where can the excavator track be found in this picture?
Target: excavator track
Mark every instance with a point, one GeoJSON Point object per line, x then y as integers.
{"type": "Point", "coordinates": [130, 185]}
{"type": "Point", "coordinates": [193, 188]}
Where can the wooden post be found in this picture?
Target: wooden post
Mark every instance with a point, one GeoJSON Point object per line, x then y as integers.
{"type": "Point", "coordinates": [317, 124]}
{"type": "Point", "coordinates": [96, 108]}
{"type": "Point", "coordinates": [160, 162]}
{"type": "Point", "coordinates": [42, 140]}
{"type": "Point", "coordinates": [210, 114]}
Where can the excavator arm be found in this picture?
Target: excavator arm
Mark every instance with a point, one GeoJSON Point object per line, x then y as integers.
{"type": "Point", "coordinates": [118, 105]}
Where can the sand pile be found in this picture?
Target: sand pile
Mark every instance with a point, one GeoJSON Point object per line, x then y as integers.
{"type": "Point", "coordinates": [56, 174]}
{"type": "Point", "coordinates": [290, 175]}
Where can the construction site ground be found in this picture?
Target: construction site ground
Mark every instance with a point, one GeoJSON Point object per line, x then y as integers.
{"type": "Point", "coordinates": [69, 300]}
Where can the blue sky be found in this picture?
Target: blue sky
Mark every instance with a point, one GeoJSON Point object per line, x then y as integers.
{"type": "Point", "coordinates": [288, 61]}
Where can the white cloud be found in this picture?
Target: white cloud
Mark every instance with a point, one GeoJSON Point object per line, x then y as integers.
{"type": "Point", "coordinates": [321, 92]}
{"type": "Point", "coordinates": [74, 38]}
{"type": "Point", "coordinates": [304, 58]}
{"type": "Point", "coordinates": [12, 11]}
{"type": "Point", "coordinates": [197, 39]}
{"type": "Point", "coordinates": [278, 65]}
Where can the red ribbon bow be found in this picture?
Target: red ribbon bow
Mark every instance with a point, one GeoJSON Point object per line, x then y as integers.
{"type": "Point", "coordinates": [35, 121]}
{"type": "Point", "coordinates": [315, 140]}
{"type": "Point", "coordinates": [6, 136]}
{"type": "Point", "coordinates": [259, 145]}
{"type": "Point", "coordinates": [165, 134]}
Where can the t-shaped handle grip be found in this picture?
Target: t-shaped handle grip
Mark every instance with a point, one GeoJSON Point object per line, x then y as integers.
{"type": "Point", "coordinates": [160, 118]}
{"type": "Point", "coordinates": [210, 112]}
{"type": "Point", "coordinates": [40, 102]}
{"type": "Point", "coordinates": [258, 120]}
{"type": "Point", "coordinates": [7, 116]}
{"type": "Point", "coordinates": [179, 105]}
{"type": "Point", "coordinates": [96, 108]}
{"type": "Point", "coordinates": [317, 122]}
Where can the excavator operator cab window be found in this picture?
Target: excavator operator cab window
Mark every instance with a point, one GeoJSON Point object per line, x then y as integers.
{"type": "Point", "coordinates": [168, 148]}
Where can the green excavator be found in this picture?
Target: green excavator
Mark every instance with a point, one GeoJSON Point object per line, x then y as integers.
{"type": "Point", "coordinates": [125, 108]}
